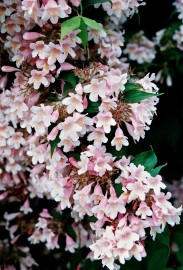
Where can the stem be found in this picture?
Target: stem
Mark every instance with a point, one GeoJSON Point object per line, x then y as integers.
{"type": "Point", "coordinates": [81, 9]}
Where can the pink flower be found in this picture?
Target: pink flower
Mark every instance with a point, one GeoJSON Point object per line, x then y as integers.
{"type": "Point", "coordinates": [52, 11]}
{"type": "Point", "coordinates": [96, 89]}
{"type": "Point", "coordinates": [37, 78]}
{"type": "Point", "coordinates": [82, 196]}
{"type": "Point", "coordinates": [105, 120]}
{"type": "Point", "coordinates": [69, 129]}
{"type": "Point", "coordinates": [119, 139]}
{"type": "Point", "coordinates": [98, 136]}
{"type": "Point", "coordinates": [40, 49]}
{"type": "Point", "coordinates": [138, 190]}
{"type": "Point", "coordinates": [143, 210]}
{"type": "Point", "coordinates": [74, 102]}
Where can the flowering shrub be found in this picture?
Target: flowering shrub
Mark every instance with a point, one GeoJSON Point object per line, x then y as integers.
{"type": "Point", "coordinates": [70, 107]}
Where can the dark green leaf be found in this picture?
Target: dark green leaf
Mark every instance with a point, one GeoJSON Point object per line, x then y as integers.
{"type": "Point", "coordinates": [92, 24]}
{"type": "Point", "coordinates": [132, 86]}
{"type": "Point", "coordinates": [70, 25]}
{"type": "Point", "coordinates": [83, 35]}
{"type": "Point", "coordinates": [92, 107]}
{"type": "Point", "coordinates": [73, 154]}
{"type": "Point", "coordinates": [133, 96]}
{"type": "Point", "coordinates": [69, 77]}
{"type": "Point", "coordinates": [67, 88]}
{"type": "Point", "coordinates": [156, 170]}
{"type": "Point", "coordinates": [93, 219]}
{"type": "Point", "coordinates": [57, 215]}
{"type": "Point", "coordinates": [87, 3]}
{"type": "Point", "coordinates": [148, 159]}
{"type": "Point", "coordinates": [164, 237]}
{"type": "Point", "coordinates": [157, 255]}
{"type": "Point", "coordinates": [118, 189]}
{"type": "Point", "coordinates": [54, 143]}
{"type": "Point", "coordinates": [70, 231]}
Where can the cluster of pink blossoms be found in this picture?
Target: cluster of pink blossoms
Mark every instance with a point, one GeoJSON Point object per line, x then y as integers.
{"type": "Point", "coordinates": [62, 149]}
{"type": "Point", "coordinates": [140, 49]}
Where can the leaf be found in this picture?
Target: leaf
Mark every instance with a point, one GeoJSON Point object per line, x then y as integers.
{"type": "Point", "coordinates": [133, 96]}
{"type": "Point", "coordinates": [93, 219]}
{"type": "Point", "coordinates": [164, 237]}
{"type": "Point", "coordinates": [156, 170]}
{"type": "Point", "coordinates": [87, 3]}
{"type": "Point", "coordinates": [157, 254]}
{"type": "Point", "coordinates": [70, 25]}
{"type": "Point", "coordinates": [67, 88]}
{"type": "Point", "coordinates": [70, 231]}
{"type": "Point", "coordinates": [73, 154]}
{"type": "Point", "coordinates": [92, 24]}
{"type": "Point", "coordinates": [118, 189]}
{"type": "Point", "coordinates": [54, 143]}
{"type": "Point", "coordinates": [83, 35]}
{"type": "Point", "coordinates": [148, 159]}
{"type": "Point", "coordinates": [69, 77]}
{"type": "Point", "coordinates": [92, 107]}
{"type": "Point", "coordinates": [132, 86]}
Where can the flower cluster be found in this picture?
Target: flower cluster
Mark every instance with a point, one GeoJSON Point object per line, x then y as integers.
{"type": "Point", "coordinates": [65, 120]}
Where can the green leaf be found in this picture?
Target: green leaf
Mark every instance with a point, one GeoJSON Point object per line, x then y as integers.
{"type": "Point", "coordinates": [118, 189]}
{"type": "Point", "coordinates": [83, 35]}
{"type": "Point", "coordinates": [67, 88]}
{"type": "Point", "coordinates": [156, 170]}
{"type": "Point", "coordinates": [132, 86]}
{"type": "Point", "coordinates": [87, 3]}
{"type": "Point", "coordinates": [92, 24]}
{"type": "Point", "coordinates": [164, 237]}
{"type": "Point", "coordinates": [70, 25]}
{"type": "Point", "coordinates": [70, 231]}
{"type": "Point", "coordinates": [92, 107]}
{"type": "Point", "coordinates": [133, 96]}
{"type": "Point", "coordinates": [157, 255]}
{"type": "Point", "coordinates": [148, 159]}
{"type": "Point", "coordinates": [93, 219]}
{"type": "Point", "coordinates": [54, 143]}
{"type": "Point", "coordinates": [69, 77]}
{"type": "Point", "coordinates": [73, 154]}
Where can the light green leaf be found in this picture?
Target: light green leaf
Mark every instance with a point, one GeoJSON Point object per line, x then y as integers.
{"type": "Point", "coordinates": [92, 24]}
{"type": "Point", "coordinates": [148, 159]}
{"type": "Point", "coordinates": [133, 96]}
{"type": "Point", "coordinates": [70, 25]}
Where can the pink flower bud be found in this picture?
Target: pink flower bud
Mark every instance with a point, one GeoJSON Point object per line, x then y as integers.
{"type": "Point", "coordinates": [85, 102]}
{"type": "Point", "coordinates": [74, 162]}
{"type": "Point", "coordinates": [33, 99]}
{"type": "Point", "coordinates": [3, 82]}
{"type": "Point", "coordinates": [32, 35]}
{"type": "Point", "coordinates": [37, 169]}
{"type": "Point", "coordinates": [54, 116]}
{"type": "Point", "coordinates": [112, 192]}
{"type": "Point", "coordinates": [53, 134]}
{"type": "Point", "coordinates": [9, 69]}
{"type": "Point", "coordinates": [62, 86]}
{"type": "Point", "coordinates": [66, 66]}
{"type": "Point", "coordinates": [75, 3]}
{"type": "Point", "coordinates": [3, 195]}
{"type": "Point", "coordinates": [45, 213]}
